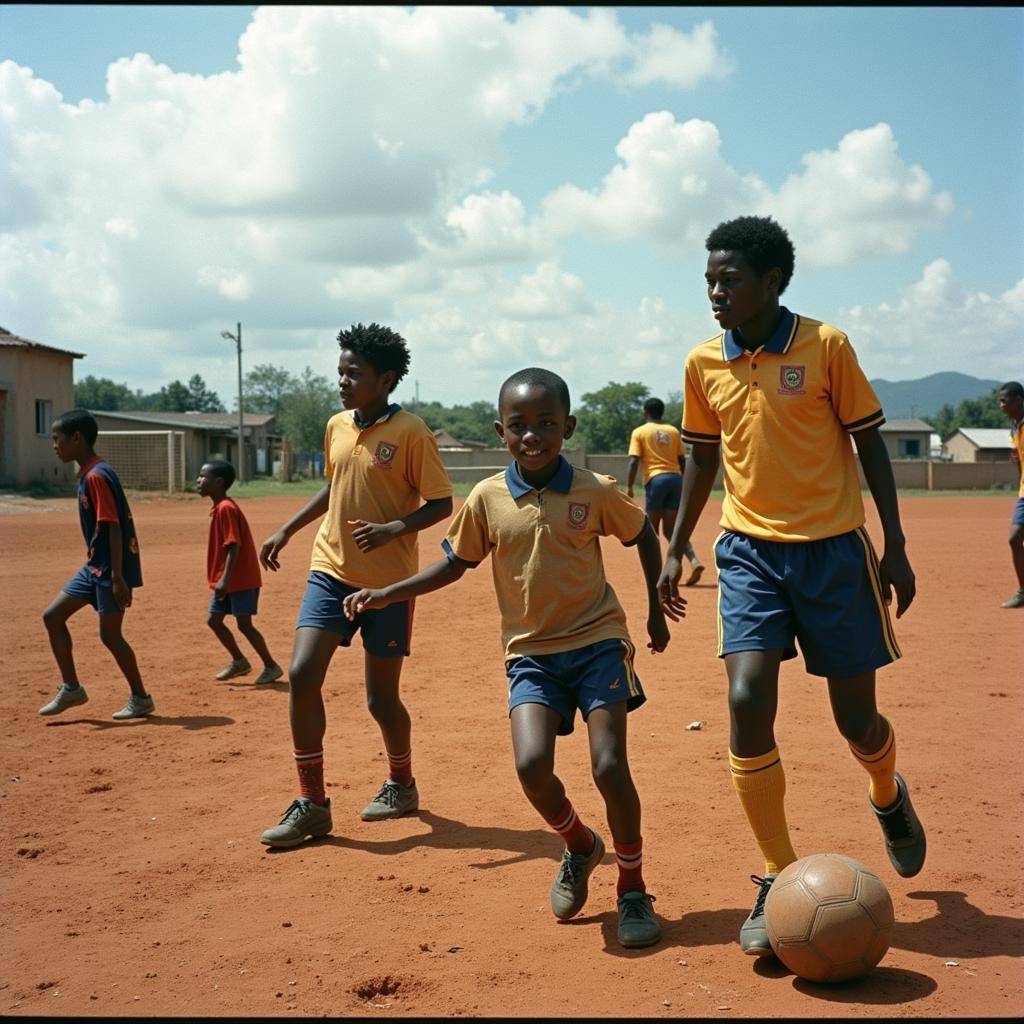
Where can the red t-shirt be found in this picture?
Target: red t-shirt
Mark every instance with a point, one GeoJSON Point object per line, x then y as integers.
{"type": "Point", "coordinates": [229, 526]}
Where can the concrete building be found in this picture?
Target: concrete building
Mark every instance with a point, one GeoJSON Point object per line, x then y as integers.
{"type": "Point", "coordinates": [979, 444]}
{"type": "Point", "coordinates": [37, 383]}
{"type": "Point", "coordinates": [907, 439]}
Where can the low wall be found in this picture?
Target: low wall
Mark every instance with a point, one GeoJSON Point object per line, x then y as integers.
{"type": "Point", "coordinates": [910, 474]}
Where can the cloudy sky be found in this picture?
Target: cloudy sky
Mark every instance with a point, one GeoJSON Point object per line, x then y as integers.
{"type": "Point", "coordinates": [505, 186]}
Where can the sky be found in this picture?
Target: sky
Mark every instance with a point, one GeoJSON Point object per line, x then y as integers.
{"type": "Point", "coordinates": [504, 186]}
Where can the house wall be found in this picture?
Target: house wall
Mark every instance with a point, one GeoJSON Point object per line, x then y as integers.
{"type": "Point", "coordinates": [28, 375]}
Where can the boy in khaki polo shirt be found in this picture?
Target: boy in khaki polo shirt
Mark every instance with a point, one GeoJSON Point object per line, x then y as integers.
{"type": "Point", "coordinates": [778, 396]}
{"type": "Point", "coordinates": [563, 629]}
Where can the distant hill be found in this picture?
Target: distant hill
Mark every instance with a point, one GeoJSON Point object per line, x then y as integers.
{"type": "Point", "coordinates": [908, 399]}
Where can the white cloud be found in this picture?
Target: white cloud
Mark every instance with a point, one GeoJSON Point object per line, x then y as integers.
{"type": "Point", "coordinates": [667, 55]}
{"type": "Point", "coordinates": [936, 324]}
{"type": "Point", "coordinates": [547, 293]}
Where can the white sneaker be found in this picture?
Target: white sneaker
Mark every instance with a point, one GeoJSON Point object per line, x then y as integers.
{"type": "Point", "coordinates": [137, 707]}
{"type": "Point", "coordinates": [67, 697]}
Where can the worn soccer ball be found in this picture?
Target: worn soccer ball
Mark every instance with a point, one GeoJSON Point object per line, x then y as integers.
{"type": "Point", "coordinates": [829, 918]}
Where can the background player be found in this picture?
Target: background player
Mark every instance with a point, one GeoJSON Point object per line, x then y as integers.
{"type": "Point", "coordinates": [1011, 401]}
{"type": "Point", "coordinates": [106, 581]}
{"type": "Point", "coordinates": [659, 448]}
{"type": "Point", "coordinates": [780, 395]}
{"type": "Point", "coordinates": [387, 483]}
{"type": "Point", "coordinates": [233, 573]}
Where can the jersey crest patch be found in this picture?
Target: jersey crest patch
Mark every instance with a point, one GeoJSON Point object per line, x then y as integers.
{"type": "Point", "coordinates": [578, 516]}
{"type": "Point", "coordinates": [661, 436]}
{"type": "Point", "coordinates": [791, 380]}
{"type": "Point", "coordinates": [384, 454]}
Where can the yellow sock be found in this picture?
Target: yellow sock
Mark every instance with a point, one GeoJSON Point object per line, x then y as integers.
{"type": "Point", "coordinates": [881, 766]}
{"type": "Point", "coordinates": [761, 786]}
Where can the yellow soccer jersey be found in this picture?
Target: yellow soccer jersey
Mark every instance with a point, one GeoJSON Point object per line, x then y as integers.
{"type": "Point", "coordinates": [783, 416]}
{"type": "Point", "coordinates": [546, 555]}
{"type": "Point", "coordinates": [378, 473]}
{"type": "Point", "coordinates": [658, 446]}
{"type": "Point", "coordinates": [1017, 439]}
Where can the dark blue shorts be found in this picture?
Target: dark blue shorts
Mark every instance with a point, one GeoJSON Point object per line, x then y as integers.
{"type": "Point", "coordinates": [85, 586]}
{"type": "Point", "coordinates": [663, 491]}
{"type": "Point", "coordinates": [1018, 513]}
{"type": "Point", "coordinates": [825, 594]}
{"type": "Point", "coordinates": [387, 632]}
{"type": "Point", "coordinates": [586, 678]}
{"type": "Point", "coordinates": [241, 602]}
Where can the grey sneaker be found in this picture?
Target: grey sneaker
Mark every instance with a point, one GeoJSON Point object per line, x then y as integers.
{"type": "Point", "coordinates": [904, 835]}
{"type": "Point", "coordinates": [237, 668]}
{"type": "Point", "coordinates": [569, 889]}
{"type": "Point", "coordinates": [67, 697]}
{"type": "Point", "coordinates": [392, 801]}
{"type": "Point", "coordinates": [754, 933]}
{"type": "Point", "coordinates": [270, 674]}
{"type": "Point", "coordinates": [303, 818]}
{"type": "Point", "coordinates": [137, 707]}
{"type": "Point", "coordinates": [638, 925]}
{"type": "Point", "coordinates": [1017, 601]}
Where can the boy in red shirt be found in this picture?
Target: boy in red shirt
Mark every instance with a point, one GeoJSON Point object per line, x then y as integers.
{"type": "Point", "coordinates": [233, 573]}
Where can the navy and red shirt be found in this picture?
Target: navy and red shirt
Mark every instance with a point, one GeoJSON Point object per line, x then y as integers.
{"type": "Point", "coordinates": [101, 500]}
{"type": "Point", "coordinates": [229, 526]}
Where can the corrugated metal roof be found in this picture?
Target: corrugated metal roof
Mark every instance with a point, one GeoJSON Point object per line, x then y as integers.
{"type": "Point", "coordinates": [9, 340]}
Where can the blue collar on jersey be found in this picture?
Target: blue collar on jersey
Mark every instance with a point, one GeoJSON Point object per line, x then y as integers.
{"type": "Point", "coordinates": [778, 342]}
{"type": "Point", "coordinates": [561, 481]}
{"type": "Point", "coordinates": [386, 414]}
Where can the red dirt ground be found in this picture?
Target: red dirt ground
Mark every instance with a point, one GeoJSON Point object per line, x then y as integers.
{"type": "Point", "coordinates": [136, 885]}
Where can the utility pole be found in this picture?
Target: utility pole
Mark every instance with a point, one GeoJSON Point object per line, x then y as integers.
{"type": "Point", "coordinates": [237, 339]}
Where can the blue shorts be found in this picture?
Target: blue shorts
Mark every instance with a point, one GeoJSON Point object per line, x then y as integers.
{"type": "Point", "coordinates": [240, 603]}
{"type": "Point", "coordinates": [1018, 513]}
{"type": "Point", "coordinates": [663, 491]}
{"type": "Point", "coordinates": [85, 586]}
{"type": "Point", "coordinates": [824, 593]}
{"type": "Point", "coordinates": [387, 632]}
{"type": "Point", "coordinates": [586, 678]}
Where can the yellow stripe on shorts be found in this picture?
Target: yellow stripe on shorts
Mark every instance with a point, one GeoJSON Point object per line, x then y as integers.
{"type": "Point", "coordinates": [876, 585]}
{"type": "Point", "coordinates": [630, 674]}
{"type": "Point", "coordinates": [718, 598]}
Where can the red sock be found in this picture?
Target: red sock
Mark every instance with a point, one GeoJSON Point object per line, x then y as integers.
{"type": "Point", "coordinates": [400, 767]}
{"type": "Point", "coordinates": [630, 858]}
{"type": "Point", "coordinates": [578, 838]}
{"type": "Point", "coordinates": [310, 764]}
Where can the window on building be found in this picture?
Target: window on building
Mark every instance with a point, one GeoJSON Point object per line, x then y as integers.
{"type": "Point", "coordinates": [910, 448]}
{"type": "Point", "coordinates": [44, 416]}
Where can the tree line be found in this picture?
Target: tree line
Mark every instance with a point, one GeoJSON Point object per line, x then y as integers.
{"type": "Point", "coordinates": [302, 404]}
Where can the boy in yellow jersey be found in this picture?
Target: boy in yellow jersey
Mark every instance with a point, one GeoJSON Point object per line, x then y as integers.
{"type": "Point", "coordinates": [658, 447]}
{"type": "Point", "coordinates": [1011, 401]}
{"type": "Point", "coordinates": [386, 483]}
{"type": "Point", "coordinates": [781, 395]}
{"type": "Point", "coordinates": [563, 629]}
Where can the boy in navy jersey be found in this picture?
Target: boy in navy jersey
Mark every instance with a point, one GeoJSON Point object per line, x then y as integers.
{"type": "Point", "coordinates": [112, 569]}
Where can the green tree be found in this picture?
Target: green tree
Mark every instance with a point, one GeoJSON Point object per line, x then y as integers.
{"type": "Point", "coordinates": [607, 417]}
{"type": "Point", "coordinates": [201, 398]}
{"type": "Point", "coordinates": [173, 397]}
{"type": "Point", "coordinates": [266, 387]}
{"type": "Point", "coordinates": [473, 422]}
{"type": "Point", "coordinates": [971, 412]}
{"type": "Point", "coordinates": [305, 411]}
{"type": "Point", "coordinates": [103, 394]}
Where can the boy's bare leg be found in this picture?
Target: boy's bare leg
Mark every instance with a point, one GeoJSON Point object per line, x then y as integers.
{"type": "Point", "coordinates": [224, 635]}
{"type": "Point", "coordinates": [248, 629]}
{"type": "Point", "coordinates": [55, 618]}
{"type": "Point", "coordinates": [534, 728]}
{"type": "Point", "coordinates": [311, 657]}
{"type": "Point", "coordinates": [606, 729]}
{"type": "Point", "coordinates": [385, 704]}
{"type": "Point", "coordinates": [113, 639]}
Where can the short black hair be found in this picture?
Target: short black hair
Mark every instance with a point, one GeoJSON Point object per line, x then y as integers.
{"type": "Point", "coordinates": [535, 376]}
{"type": "Point", "coordinates": [223, 470]}
{"type": "Point", "coordinates": [383, 348]}
{"type": "Point", "coordinates": [760, 241]}
{"type": "Point", "coordinates": [78, 421]}
{"type": "Point", "coordinates": [1013, 388]}
{"type": "Point", "coordinates": [655, 406]}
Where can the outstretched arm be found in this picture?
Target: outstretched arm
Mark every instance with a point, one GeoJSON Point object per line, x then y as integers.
{"type": "Point", "coordinates": [442, 573]}
{"type": "Point", "coordinates": [894, 569]}
{"type": "Point", "coordinates": [313, 510]}
{"type": "Point", "coordinates": [372, 535]}
{"type": "Point", "coordinates": [698, 480]}
{"type": "Point", "coordinates": [649, 549]}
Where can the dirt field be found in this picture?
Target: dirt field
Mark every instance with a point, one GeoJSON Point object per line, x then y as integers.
{"type": "Point", "coordinates": [135, 883]}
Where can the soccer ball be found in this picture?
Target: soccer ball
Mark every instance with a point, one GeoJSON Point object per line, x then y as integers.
{"type": "Point", "coordinates": [829, 918]}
